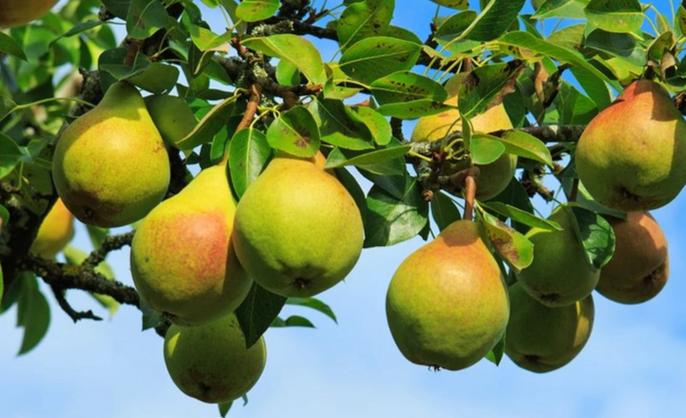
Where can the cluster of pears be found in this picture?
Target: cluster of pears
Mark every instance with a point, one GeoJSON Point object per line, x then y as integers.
{"type": "Point", "coordinates": [20, 12]}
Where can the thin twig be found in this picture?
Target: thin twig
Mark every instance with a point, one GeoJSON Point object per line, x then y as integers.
{"type": "Point", "coordinates": [67, 308]}
{"type": "Point", "coordinates": [111, 243]}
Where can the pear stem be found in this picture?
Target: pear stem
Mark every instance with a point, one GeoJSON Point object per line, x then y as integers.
{"type": "Point", "coordinates": [575, 191]}
{"type": "Point", "coordinates": [469, 196]}
{"type": "Point", "coordinates": [249, 115]}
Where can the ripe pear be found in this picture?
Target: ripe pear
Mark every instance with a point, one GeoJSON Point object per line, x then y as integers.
{"type": "Point", "coordinates": [19, 12]}
{"type": "Point", "coordinates": [298, 231]}
{"type": "Point", "coordinates": [172, 116]}
{"type": "Point", "coordinates": [630, 155]}
{"type": "Point", "coordinates": [110, 165]}
{"type": "Point", "coordinates": [560, 273]}
{"type": "Point", "coordinates": [493, 177]}
{"type": "Point", "coordinates": [210, 362]}
{"type": "Point", "coordinates": [55, 232]}
{"type": "Point", "coordinates": [447, 303]}
{"type": "Point", "coordinates": [639, 267]}
{"type": "Point", "coordinates": [182, 258]}
{"type": "Point", "coordinates": [540, 338]}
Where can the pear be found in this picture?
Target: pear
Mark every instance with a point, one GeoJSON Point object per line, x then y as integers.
{"type": "Point", "coordinates": [630, 155]}
{"type": "Point", "coordinates": [110, 165]}
{"type": "Point", "coordinates": [560, 273]}
{"type": "Point", "coordinates": [447, 303]}
{"type": "Point", "coordinates": [210, 362]}
{"type": "Point", "coordinates": [19, 12]}
{"type": "Point", "coordinates": [639, 267]}
{"type": "Point", "coordinates": [55, 232]}
{"type": "Point", "coordinates": [172, 116]}
{"type": "Point", "coordinates": [493, 177]}
{"type": "Point", "coordinates": [540, 338]}
{"type": "Point", "coordinates": [298, 231]}
{"type": "Point", "coordinates": [182, 259]}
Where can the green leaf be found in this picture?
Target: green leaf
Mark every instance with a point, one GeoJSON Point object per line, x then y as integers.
{"type": "Point", "coordinates": [224, 408]}
{"type": "Point", "coordinates": [337, 127]}
{"type": "Point", "coordinates": [522, 216]}
{"type": "Point", "coordinates": [209, 125]}
{"type": "Point", "coordinates": [495, 18]}
{"type": "Point", "coordinates": [257, 312]}
{"type": "Point", "coordinates": [390, 220]}
{"type": "Point", "coordinates": [512, 246]}
{"type": "Point", "coordinates": [453, 26]}
{"type": "Point", "coordinates": [571, 9]}
{"type": "Point", "coordinates": [481, 87]}
{"type": "Point", "coordinates": [256, 10]}
{"type": "Point", "coordinates": [119, 8]}
{"type": "Point", "coordinates": [9, 46]}
{"type": "Point", "coordinates": [10, 155]}
{"type": "Point", "coordinates": [295, 132]}
{"type": "Point", "coordinates": [364, 19]}
{"type": "Point", "coordinates": [292, 48]}
{"type": "Point", "coordinates": [78, 28]}
{"type": "Point", "coordinates": [444, 210]}
{"type": "Point", "coordinates": [485, 149]}
{"type": "Point", "coordinates": [315, 304]}
{"type": "Point", "coordinates": [453, 4]}
{"type": "Point", "coordinates": [408, 95]}
{"type": "Point", "coordinates": [150, 318]}
{"type": "Point", "coordinates": [525, 145]}
{"type": "Point", "coordinates": [374, 161]}
{"type": "Point", "coordinates": [287, 73]}
{"type": "Point", "coordinates": [292, 321]}
{"type": "Point", "coordinates": [378, 126]}
{"type": "Point", "coordinates": [33, 314]}
{"type": "Point", "coordinates": [496, 354]}
{"type": "Point", "coordinates": [378, 56]}
{"type": "Point", "coordinates": [596, 235]}
{"type": "Point", "coordinates": [156, 78]}
{"type": "Point", "coordinates": [249, 152]}
{"type": "Point", "coordinates": [616, 15]}
{"type": "Point", "coordinates": [145, 17]}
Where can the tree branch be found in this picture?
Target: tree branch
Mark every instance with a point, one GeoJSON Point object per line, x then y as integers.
{"type": "Point", "coordinates": [111, 243]}
{"type": "Point", "coordinates": [67, 308]}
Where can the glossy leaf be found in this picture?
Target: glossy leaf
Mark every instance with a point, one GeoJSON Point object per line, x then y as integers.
{"type": "Point", "coordinates": [9, 46]}
{"type": "Point", "coordinates": [512, 246]}
{"type": "Point", "coordinates": [390, 220]}
{"type": "Point", "coordinates": [315, 304]}
{"type": "Point", "coordinates": [33, 314]}
{"type": "Point", "coordinates": [295, 132]}
{"type": "Point", "coordinates": [292, 48]}
{"type": "Point", "coordinates": [337, 127]}
{"type": "Point", "coordinates": [249, 153]}
{"type": "Point", "coordinates": [10, 155]}
{"type": "Point", "coordinates": [527, 146]}
{"type": "Point", "coordinates": [256, 10]}
{"type": "Point", "coordinates": [444, 210]}
{"type": "Point", "coordinates": [257, 312]}
{"type": "Point", "coordinates": [378, 56]}
{"type": "Point", "coordinates": [596, 235]}
{"type": "Point", "coordinates": [209, 125]}
{"type": "Point", "coordinates": [363, 19]}
{"type": "Point", "coordinates": [485, 149]}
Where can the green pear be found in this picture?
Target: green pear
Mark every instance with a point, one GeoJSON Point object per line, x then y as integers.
{"type": "Point", "coordinates": [298, 231]}
{"type": "Point", "coordinates": [210, 362]}
{"type": "Point", "coordinates": [560, 273]}
{"type": "Point", "coordinates": [540, 338]}
{"type": "Point", "coordinates": [110, 165]}
{"type": "Point", "coordinates": [172, 116]}
{"type": "Point", "coordinates": [19, 12]}
{"type": "Point", "coordinates": [447, 303]}
{"type": "Point", "coordinates": [55, 232]}
{"type": "Point", "coordinates": [639, 267]}
{"type": "Point", "coordinates": [182, 259]}
{"type": "Point", "coordinates": [630, 155]}
{"type": "Point", "coordinates": [494, 177]}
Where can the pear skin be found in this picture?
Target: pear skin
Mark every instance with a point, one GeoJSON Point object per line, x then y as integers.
{"type": "Point", "coordinates": [540, 338]}
{"type": "Point", "coordinates": [210, 362]}
{"type": "Point", "coordinates": [55, 232]}
{"type": "Point", "coordinates": [110, 165]}
{"type": "Point", "coordinates": [639, 267]}
{"type": "Point", "coordinates": [630, 155]}
{"type": "Point", "coordinates": [560, 273]}
{"type": "Point", "coordinates": [172, 116]}
{"type": "Point", "coordinates": [20, 12]}
{"type": "Point", "coordinates": [493, 177]}
{"type": "Point", "coordinates": [182, 259]}
{"type": "Point", "coordinates": [447, 304]}
{"type": "Point", "coordinates": [298, 231]}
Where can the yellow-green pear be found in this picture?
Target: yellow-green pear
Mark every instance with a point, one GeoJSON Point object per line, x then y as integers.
{"type": "Point", "coordinates": [210, 362]}
{"type": "Point", "coordinates": [182, 259]}
{"type": "Point", "coordinates": [447, 303]}
{"type": "Point", "coordinates": [19, 12]}
{"type": "Point", "coordinates": [630, 156]}
{"type": "Point", "coordinates": [298, 231]}
{"type": "Point", "coordinates": [540, 338]}
{"type": "Point", "coordinates": [639, 267]}
{"type": "Point", "coordinates": [560, 273]}
{"type": "Point", "coordinates": [172, 116]}
{"type": "Point", "coordinates": [110, 165]}
{"type": "Point", "coordinates": [55, 232]}
{"type": "Point", "coordinates": [493, 177]}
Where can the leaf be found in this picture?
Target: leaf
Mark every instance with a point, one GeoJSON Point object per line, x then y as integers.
{"type": "Point", "coordinates": [295, 132]}
{"type": "Point", "coordinates": [119, 8]}
{"type": "Point", "coordinates": [257, 312]}
{"type": "Point", "coordinates": [525, 145]}
{"type": "Point", "coordinates": [145, 17]}
{"type": "Point", "coordinates": [292, 48]}
{"type": "Point", "coordinates": [561, 8]}
{"type": "Point", "coordinates": [483, 87]}
{"type": "Point", "coordinates": [350, 183]}
{"type": "Point", "coordinates": [249, 152]}
{"type": "Point", "coordinates": [512, 246]}
{"type": "Point", "coordinates": [485, 149]}
{"type": "Point", "coordinates": [256, 10]}
{"type": "Point", "coordinates": [495, 18]}
{"type": "Point", "coordinates": [224, 408]}
{"type": "Point", "coordinates": [10, 155]}
{"type": "Point", "coordinates": [292, 321]}
{"type": "Point", "coordinates": [209, 125]}
{"type": "Point", "coordinates": [77, 29]}
{"type": "Point", "coordinates": [615, 16]}
{"type": "Point", "coordinates": [377, 125]}
{"type": "Point", "coordinates": [315, 304]}
{"type": "Point", "coordinates": [9, 46]}
{"type": "Point", "coordinates": [496, 353]}
{"type": "Point", "coordinates": [336, 127]}
{"type": "Point", "coordinates": [374, 161]}
{"type": "Point", "coordinates": [444, 210]}
{"type": "Point", "coordinates": [156, 78]}
{"type": "Point", "coordinates": [287, 73]}
{"type": "Point", "coordinates": [364, 19]}
{"type": "Point", "coordinates": [453, 26]}
{"type": "Point", "coordinates": [33, 314]}
{"type": "Point", "coordinates": [453, 4]}
{"type": "Point", "coordinates": [378, 56]}
{"type": "Point", "coordinates": [596, 235]}
{"type": "Point", "coordinates": [522, 216]}
{"type": "Point", "coordinates": [390, 220]}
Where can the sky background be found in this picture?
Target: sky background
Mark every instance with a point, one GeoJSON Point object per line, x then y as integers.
{"type": "Point", "coordinates": [631, 367]}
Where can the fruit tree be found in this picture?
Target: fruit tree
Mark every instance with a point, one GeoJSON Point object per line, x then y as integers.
{"type": "Point", "coordinates": [249, 166]}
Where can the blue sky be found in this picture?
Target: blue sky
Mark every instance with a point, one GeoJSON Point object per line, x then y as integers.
{"type": "Point", "coordinates": [630, 367]}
